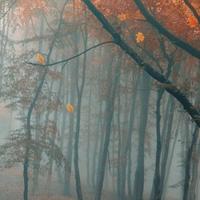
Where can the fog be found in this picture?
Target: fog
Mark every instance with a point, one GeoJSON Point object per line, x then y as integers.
{"type": "Point", "coordinates": [80, 118]}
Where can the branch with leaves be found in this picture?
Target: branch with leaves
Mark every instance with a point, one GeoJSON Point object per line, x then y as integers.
{"type": "Point", "coordinates": [193, 10]}
{"type": "Point", "coordinates": [170, 87]}
{"type": "Point", "coordinates": [162, 30]}
{"type": "Point", "coordinates": [70, 58]}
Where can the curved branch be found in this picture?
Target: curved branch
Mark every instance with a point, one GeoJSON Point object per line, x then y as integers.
{"type": "Point", "coordinates": [71, 58]}
{"type": "Point", "coordinates": [161, 29]}
{"type": "Point", "coordinates": [170, 88]}
{"type": "Point", "coordinates": [193, 10]}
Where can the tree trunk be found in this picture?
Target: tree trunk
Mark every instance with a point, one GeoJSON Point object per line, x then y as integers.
{"type": "Point", "coordinates": [109, 115]}
{"type": "Point", "coordinates": [139, 173]}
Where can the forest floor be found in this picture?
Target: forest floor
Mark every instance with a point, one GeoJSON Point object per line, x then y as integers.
{"type": "Point", "coordinates": [11, 188]}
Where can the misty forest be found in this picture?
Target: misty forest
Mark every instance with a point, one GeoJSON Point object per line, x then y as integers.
{"type": "Point", "coordinates": [99, 99]}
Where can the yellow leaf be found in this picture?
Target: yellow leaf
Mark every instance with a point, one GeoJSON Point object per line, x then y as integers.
{"type": "Point", "coordinates": [69, 107]}
{"type": "Point", "coordinates": [40, 58]}
{"type": "Point", "coordinates": [139, 37]}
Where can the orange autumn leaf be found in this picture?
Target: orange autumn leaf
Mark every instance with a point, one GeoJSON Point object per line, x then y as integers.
{"type": "Point", "coordinates": [139, 37]}
{"type": "Point", "coordinates": [70, 108]}
{"type": "Point", "coordinates": [40, 58]}
{"type": "Point", "coordinates": [122, 17]}
{"type": "Point", "coordinates": [192, 21]}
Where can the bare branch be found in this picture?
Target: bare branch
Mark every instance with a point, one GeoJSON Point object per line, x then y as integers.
{"type": "Point", "coordinates": [71, 58]}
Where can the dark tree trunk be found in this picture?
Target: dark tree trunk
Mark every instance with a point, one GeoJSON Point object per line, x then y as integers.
{"type": "Point", "coordinates": [187, 178]}
{"type": "Point", "coordinates": [139, 173]}
{"type": "Point", "coordinates": [109, 115]}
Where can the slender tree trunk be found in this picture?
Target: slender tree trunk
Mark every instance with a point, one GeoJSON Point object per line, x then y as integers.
{"type": "Point", "coordinates": [78, 119]}
{"type": "Point", "coordinates": [88, 137]}
{"type": "Point", "coordinates": [37, 156]}
{"type": "Point", "coordinates": [156, 183]}
{"type": "Point", "coordinates": [167, 133]}
{"type": "Point", "coordinates": [139, 173]}
{"type": "Point", "coordinates": [128, 149]}
{"type": "Point", "coordinates": [53, 137]}
{"type": "Point", "coordinates": [109, 116]}
{"type": "Point", "coordinates": [127, 141]}
{"type": "Point", "coordinates": [169, 163]}
{"type": "Point", "coordinates": [194, 173]}
{"type": "Point", "coordinates": [30, 110]}
{"type": "Point", "coordinates": [187, 178]}
{"type": "Point", "coordinates": [36, 166]}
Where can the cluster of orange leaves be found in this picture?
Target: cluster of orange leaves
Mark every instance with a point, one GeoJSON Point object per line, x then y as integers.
{"type": "Point", "coordinates": [191, 20]}
{"type": "Point", "coordinates": [139, 37]}
{"type": "Point", "coordinates": [174, 15]}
